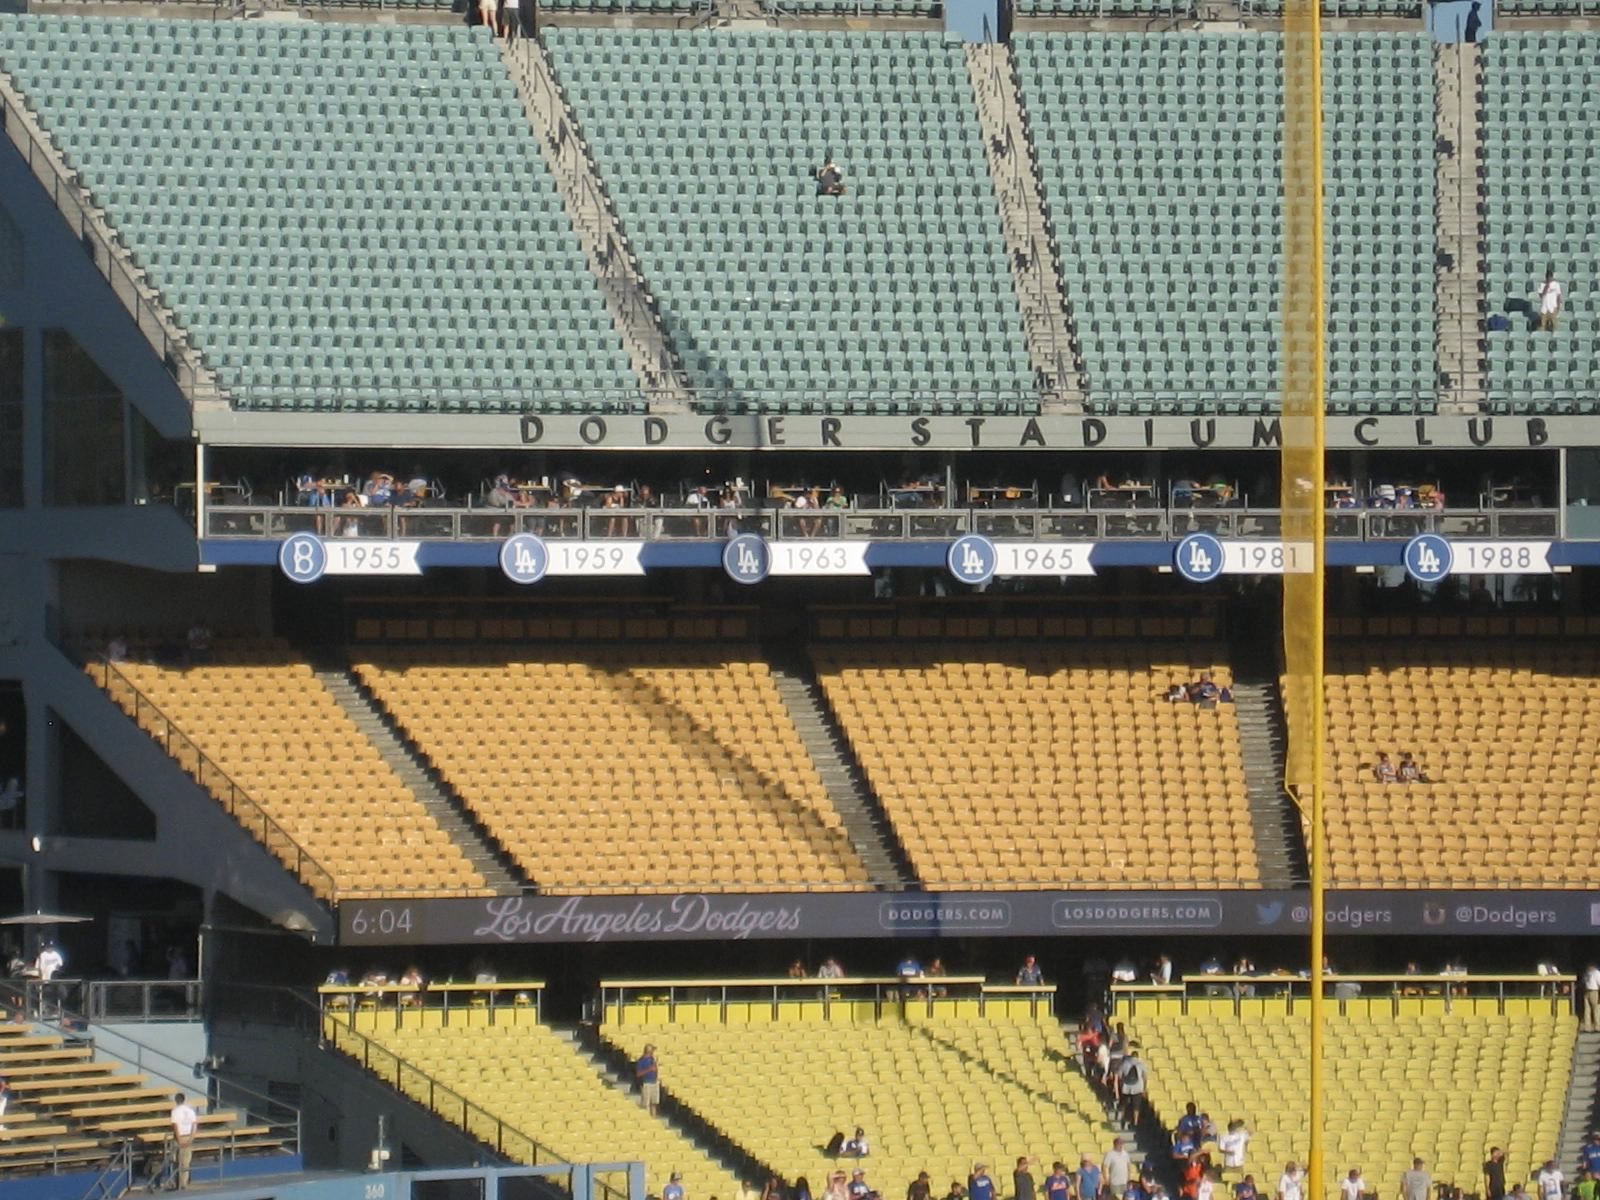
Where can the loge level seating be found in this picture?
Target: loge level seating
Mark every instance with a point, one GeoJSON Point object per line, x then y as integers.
{"type": "Point", "coordinates": [1184, 217]}
{"type": "Point", "coordinates": [68, 1107]}
{"type": "Point", "coordinates": [538, 1082]}
{"type": "Point", "coordinates": [1538, 120]}
{"type": "Point", "coordinates": [300, 196]}
{"type": "Point", "coordinates": [1445, 1087]}
{"type": "Point", "coordinates": [1505, 731]}
{"type": "Point", "coordinates": [933, 1095]}
{"type": "Point", "coordinates": [260, 714]}
{"type": "Point", "coordinates": [641, 768]}
{"type": "Point", "coordinates": [996, 764]}
{"type": "Point", "coordinates": [705, 143]}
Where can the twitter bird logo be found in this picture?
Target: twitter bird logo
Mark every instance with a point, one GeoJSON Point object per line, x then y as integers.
{"type": "Point", "coordinates": [1268, 914]}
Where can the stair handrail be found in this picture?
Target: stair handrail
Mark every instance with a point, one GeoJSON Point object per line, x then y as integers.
{"type": "Point", "coordinates": [73, 201]}
{"type": "Point", "coordinates": [74, 1026]}
{"type": "Point", "coordinates": [115, 1178]}
{"type": "Point", "coordinates": [337, 1031]}
{"type": "Point", "coordinates": [234, 799]}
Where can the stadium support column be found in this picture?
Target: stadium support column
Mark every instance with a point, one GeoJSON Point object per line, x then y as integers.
{"type": "Point", "coordinates": [199, 489]}
{"type": "Point", "coordinates": [1304, 389]}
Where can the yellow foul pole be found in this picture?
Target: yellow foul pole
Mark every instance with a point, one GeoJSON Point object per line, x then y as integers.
{"type": "Point", "coordinates": [1304, 388]}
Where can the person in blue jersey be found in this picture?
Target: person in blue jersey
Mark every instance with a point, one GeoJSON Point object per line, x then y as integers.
{"type": "Point", "coordinates": [1136, 1190]}
{"type": "Point", "coordinates": [1088, 1181]}
{"type": "Point", "coordinates": [1029, 974]}
{"type": "Point", "coordinates": [979, 1185]}
{"type": "Point", "coordinates": [647, 1072]}
{"type": "Point", "coordinates": [1191, 1122]}
{"type": "Point", "coordinates": [674, 1188]}
{"type": "Point", "coordinates": [859, 1188]}
{"type": "Point", "coordinates": [1184, 1146]}
{"type": "Point", "coordinates": [1589, 1155]}
{"type": "Point", "coordinates": [1245, 1189]}
{"type": "Point", "coordinates": [1058, 1184]}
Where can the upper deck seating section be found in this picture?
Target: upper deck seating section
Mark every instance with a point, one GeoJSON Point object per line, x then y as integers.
{"type": "Point", "coordinates": [340, 215]}
{"type": "Point", "coordinates": [573, 1111]}
{"type": "Point", "coordinates": [260, 714]}
{"type": "Point", "coordinates": [1173, 253]}
{"type": "Point", "coordinates": [1002, 768]}
{"type": "Point", "coordinates": [1504, 731]}
{"type": "Point", "coordinates": [1541, 169]}
{"type": "Point", "coordinates": [642, 767]}
{"type": "Point", "coordinates": [984, 1091]}
{"type": "Point", "coordinates": [705, 144]}
{"type": "Point", "coordinates": [1445, 1087]}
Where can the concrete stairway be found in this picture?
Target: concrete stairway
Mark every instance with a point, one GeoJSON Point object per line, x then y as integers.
{"type": "Point", "coordinates": [89, 224]}
{"type": "Point", "coordinates": [614, 1067]}
{"type": "Point", "coordinates": [865, 821]}
{"type": "Point", "coordinates": [1263, 739]}
{"type": "Point", "coordinates": [1030, 239]}
{"type": "Point", "coordinates": [611, 259]}
{"type": "Point", "coordinates": [1583, 1101]}
{"type": "Point", "coordinates": [447, 808]}
{"type": "Point", "coordinates": [1458, 272]}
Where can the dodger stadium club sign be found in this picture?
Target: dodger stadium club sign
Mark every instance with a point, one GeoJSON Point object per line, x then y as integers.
{"type": "Point", "coordinates": [1055, 431]}
{"type": "Point", "coordinates": [696, 916]}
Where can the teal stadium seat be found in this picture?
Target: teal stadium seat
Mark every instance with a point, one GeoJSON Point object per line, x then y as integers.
{"type": "Point", "coordinates": [331, 210]}
{"type": "Point", "coordinates": [1541, 162]}
{"type": "Point", "coordinates": [773, 296]}
{"type": "Point", "coordinates": [1160, 159]}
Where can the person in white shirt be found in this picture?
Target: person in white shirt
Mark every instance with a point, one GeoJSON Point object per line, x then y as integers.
{"type": "Point", "coordinates": [1233, 1145]}
{"type": "Point", "coordinates": [1291, 1184]}
{"type": "Point", "coordinates": [1549, 301]}
{"type": "Point", "coordinates": [184, 1122]}
{"type": "Point", "coordinates": [1352, 1186]}
{"type": "Point", "coordinates": [1117, 1168]}
{"type": "Point", "coordinates": [49, 962]}
{"type": "Point", "coordinates": [1550, 1181]}
{"type": "Point", "coordinates": [1591, 998]}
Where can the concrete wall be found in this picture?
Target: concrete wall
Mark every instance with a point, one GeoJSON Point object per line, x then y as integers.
{"type": "Point", "coordinates": [166, 1051]}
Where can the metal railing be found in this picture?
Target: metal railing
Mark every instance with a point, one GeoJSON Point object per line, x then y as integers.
{"type": "Point", "coordinates": [68, 195]}
{"type": "Point", "coordinates": [145, 1001]}
{"type": "Point", "coordinates": [618, 999]}
{"type": "Point", "coordinates": [1153, 523]}
{"type": "Point", "coordinates": [215, 780]}
{"type": "Point", "coordinates": [1366, 994]}
{"type": "Point", "coordinates": [403, 1000]}
{"type": "Point", "coordinates": [46, 1008]}
{"type": "Point", "coordinates": [336, 1032]}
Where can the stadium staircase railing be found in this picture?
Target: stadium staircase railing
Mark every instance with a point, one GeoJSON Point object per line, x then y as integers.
{"type": "Point", "coordinates": [110, 258]}
{"type": "Point", "coordinates": [215, 780]}
{"type": "Point", "coordinates": [335, 1030]}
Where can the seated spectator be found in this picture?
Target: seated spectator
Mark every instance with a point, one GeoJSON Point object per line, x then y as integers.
{"type": "Point", "coordinates": [505, 494]}
{"type": "Point", "coordinates": [1184, 1146]}
{"type": "Point", "coordinates": [1177, 694]}
{"type": "Point", "coordinates": [1204, 690]}
{"type": "Point", "coordinates": [797, 970]}
{"type": "Point", "coordinates": [856, 1146]}
{"type": "Point", "coordinates": [699, 498]}
{"type": "Point", "coordinates": [859, 1188]}
{"type": "Point", "coordinates": [936, 971]}
{"type": "Point", "coordinates": [836, 499]}
{"type": "Point", "coordinates": [199, 639]}
{"type": "Point", "coordinates": [412, 978]}
{"type": "Point", "coordinates": [838, 1187]}
{"type": "Point", "coordinates": [830, 969]}
{"type": "Point", "coordinates": [1123, 971]}
{"type": "Point", "coordinates": [921, 1188]}
{"type": "Point", "coordinates": [1383, 770]}
{"type": "Point", "coordinates": [1408, 770]}
{"type": "Point", "coordinates": [312, 492]}
{"type": "Point", "coordinates": [1245, 1189]}
{"type": "Point", "coordinates": [957, 1191]}
{"type": "Point", "coordinates": [830, 179]}
{"type": "Point", "coordinates": [646, 497]}
{"type": "Point", "coordinates": [379, 489]}
{"type": "Point", "coordinates": [376, 979]}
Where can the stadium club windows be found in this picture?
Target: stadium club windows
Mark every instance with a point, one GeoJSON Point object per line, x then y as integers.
{"type": "Point", "coordinates": [85, 451]}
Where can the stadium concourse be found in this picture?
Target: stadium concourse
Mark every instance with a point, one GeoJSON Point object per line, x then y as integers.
{"type": "Point", "coordinates": [692, 598]}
